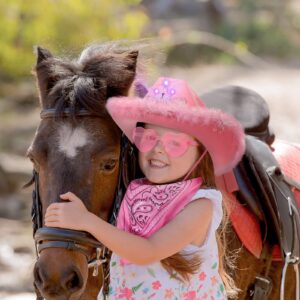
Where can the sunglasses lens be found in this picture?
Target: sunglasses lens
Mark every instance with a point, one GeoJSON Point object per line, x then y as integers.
{"type": "Point", "coordinates": [175, 146]}
{"type": "Point", "coordinates": [144, 139]}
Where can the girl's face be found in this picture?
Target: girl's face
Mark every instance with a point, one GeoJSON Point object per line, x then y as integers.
{"type": "Point", "coordinates": [159, 167]}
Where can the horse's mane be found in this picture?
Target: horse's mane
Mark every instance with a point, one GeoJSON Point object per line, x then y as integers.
{"type": "Point", "coordinates": [101, 71]}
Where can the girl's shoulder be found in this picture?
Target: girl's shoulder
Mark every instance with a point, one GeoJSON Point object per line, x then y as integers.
{"type": "Point", "coordinates": [212, 194]}
{"type": "Point", "coordinates": [216, 197]}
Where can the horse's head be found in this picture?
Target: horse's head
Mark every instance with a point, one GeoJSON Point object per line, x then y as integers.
{"type": "Point", "coordinates": [76, 148]}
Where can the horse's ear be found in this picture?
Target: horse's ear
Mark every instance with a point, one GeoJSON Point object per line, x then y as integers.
{"type": "Point", "coordinates": [122, 75]}
{"type": "Point", "coordinates": [42, 54]}
{"type": "Point", "coordinates": [42, 72]}
{"type": "Point", "coordinates": [132, 60]}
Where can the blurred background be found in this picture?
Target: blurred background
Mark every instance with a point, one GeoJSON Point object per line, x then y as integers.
{"type": "Point", "coordinates": [210, 43]}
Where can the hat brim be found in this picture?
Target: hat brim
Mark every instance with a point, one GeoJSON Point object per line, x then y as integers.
{"type": "Point", "coordinates": [220, 133]}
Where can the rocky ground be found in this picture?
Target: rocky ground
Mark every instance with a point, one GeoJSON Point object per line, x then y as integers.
{"type": "Point", "coordinates": [280, 86]}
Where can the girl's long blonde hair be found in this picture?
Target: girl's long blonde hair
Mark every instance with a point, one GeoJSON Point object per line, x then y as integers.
{"type": "Point", "coordinates": [181, 265]}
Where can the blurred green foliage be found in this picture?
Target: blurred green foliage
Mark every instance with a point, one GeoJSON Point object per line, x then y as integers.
{"type": "Point", "coordinates": [264, 39]}
{"type": "Point", "coordinates": [188, 54]}
{"type": "Point", "coordinates": [61, 24]}
{"type": "Point", "coordinates": [266, 28]}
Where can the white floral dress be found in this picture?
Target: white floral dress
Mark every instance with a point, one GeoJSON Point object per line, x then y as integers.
{"type": "Point", "coordinates": [134, 282]}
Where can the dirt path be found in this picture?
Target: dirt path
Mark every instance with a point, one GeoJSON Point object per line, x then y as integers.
{"type": "Point", "coordinates": [16, 259]}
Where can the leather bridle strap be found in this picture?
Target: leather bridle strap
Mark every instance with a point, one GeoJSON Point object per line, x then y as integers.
{"type": "Point", "coordinates": [65, 238]}
{"type": "Point", "coordinates": [69, 245]}
{"type": "Point", "coordinates": [51, 233]}
{"type": "Point", "coordinates": [52, 113]}
{"type": "Point", "coordinates": [126, 156]}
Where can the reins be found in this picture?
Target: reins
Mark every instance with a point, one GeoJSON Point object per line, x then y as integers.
{"type": "Point", "coordinates": [96, 253]}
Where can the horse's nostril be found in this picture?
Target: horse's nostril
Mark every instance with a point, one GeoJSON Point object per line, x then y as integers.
{"type": "Point", "coordinates": [56, 284]}
{"type": "Point", "coordinates": [73, 281]}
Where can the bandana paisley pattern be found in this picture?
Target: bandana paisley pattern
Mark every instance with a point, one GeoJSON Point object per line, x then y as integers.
{"type": "Point", "coordinates": [147, 207]}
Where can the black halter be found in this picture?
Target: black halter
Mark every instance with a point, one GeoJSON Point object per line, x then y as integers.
{"type": "Point", "coordinates": [45, 237]}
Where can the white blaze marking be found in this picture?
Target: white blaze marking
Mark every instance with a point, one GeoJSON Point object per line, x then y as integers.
{"type": "Point", "coordinates": [71, 139]}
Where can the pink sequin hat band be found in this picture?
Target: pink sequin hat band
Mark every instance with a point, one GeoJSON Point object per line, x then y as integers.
{"type": "Point", "coordinates": [171, 103]}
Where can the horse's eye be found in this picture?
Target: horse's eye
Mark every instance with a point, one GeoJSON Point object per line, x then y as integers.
{"type": "Point", "coordinates": [108, 165]}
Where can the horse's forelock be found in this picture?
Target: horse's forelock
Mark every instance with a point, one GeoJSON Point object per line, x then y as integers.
{"type": "Point", "coordinates": [78, 92]}
{"type": "Point", "coordinates": [62, 68]}
{"type": "Point", "coordinates": [90, 93]}
{"type": "Point", "coordinates": [100, 72]}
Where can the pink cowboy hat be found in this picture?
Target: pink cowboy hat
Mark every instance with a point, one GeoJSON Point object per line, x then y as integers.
{"type": "Point", "coordinates": [172, 103]}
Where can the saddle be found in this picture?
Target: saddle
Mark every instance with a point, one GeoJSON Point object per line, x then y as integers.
{"type": "Point", "coordinates": [261, 181]}
{"type": "Point", "coordinates": [248, 107]}
{"type": "Point", "coordinates": [262, 186]}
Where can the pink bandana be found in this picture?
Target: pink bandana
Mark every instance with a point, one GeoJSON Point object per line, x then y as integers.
{"type": "Point", "coordinates": [148, 207]}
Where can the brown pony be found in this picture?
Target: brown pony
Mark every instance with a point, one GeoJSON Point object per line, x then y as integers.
{"type": "Point", "coordinates": [78, 152]}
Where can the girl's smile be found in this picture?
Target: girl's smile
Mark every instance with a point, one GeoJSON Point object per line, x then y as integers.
{"type": "Point", "coordinates": [156, 163]}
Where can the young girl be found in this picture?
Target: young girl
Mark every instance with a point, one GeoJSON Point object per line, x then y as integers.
{"type": "Point", "coordinates": [164, 245]}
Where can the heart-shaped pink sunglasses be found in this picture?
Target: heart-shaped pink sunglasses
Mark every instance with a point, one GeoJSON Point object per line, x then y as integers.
{"type": "Point", "coordinates": [175, 144]}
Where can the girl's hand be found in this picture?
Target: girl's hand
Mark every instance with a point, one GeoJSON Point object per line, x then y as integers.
{"type": "Point", "coordinates": [71, 215]}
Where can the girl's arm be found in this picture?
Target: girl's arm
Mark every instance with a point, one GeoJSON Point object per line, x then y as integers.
{"type": "Point", "coordinates": [189, 225]}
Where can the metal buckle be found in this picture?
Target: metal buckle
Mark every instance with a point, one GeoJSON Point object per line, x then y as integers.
{"type": "Point", "coordinates": [261, 289]}
{"type": "Point", "coordinates": [98, 261]}
{"type": "Point", "coordinates": [289, 259]}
